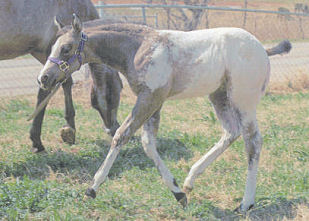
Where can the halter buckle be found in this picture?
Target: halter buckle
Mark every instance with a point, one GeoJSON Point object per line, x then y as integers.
{"type": "Point", "coordinates": [84, 37]}
{"type": "Point", "coordinates": [64, 66]}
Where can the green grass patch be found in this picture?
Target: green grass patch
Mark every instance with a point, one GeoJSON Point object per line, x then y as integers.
{"type": "Point", "coordinates": [51, 186]}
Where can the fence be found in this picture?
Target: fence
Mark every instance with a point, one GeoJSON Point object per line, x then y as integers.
{"type": "Point", "coordinates": [289, 72]}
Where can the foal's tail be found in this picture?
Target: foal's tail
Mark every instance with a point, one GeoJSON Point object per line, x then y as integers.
{"type": "Point", "coordinates": [283, 47]}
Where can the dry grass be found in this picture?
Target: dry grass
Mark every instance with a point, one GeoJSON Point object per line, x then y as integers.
{"type": "Point", "coordinates": [290, 83]}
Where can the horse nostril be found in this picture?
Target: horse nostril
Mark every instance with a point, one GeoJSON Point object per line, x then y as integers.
{"type": "Point", "coordinates": [44, 79]}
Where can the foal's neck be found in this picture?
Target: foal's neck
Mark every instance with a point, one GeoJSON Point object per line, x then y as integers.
{"type": "Point", "coordinates": [117, 44]}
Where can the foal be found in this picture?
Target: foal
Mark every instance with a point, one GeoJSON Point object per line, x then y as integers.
{"type": "Point", "coordinates": [228, 64]}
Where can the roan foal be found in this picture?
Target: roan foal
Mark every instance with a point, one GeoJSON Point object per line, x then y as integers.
{"type": "Point", "coordinates": [228, 64]}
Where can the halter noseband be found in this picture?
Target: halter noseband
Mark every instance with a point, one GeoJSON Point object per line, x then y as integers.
{"type": "Point", "coordinates": [65, 65]}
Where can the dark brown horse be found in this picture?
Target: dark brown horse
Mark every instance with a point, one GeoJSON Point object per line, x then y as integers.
{"type": "Point", "coordinates": [28, 27]}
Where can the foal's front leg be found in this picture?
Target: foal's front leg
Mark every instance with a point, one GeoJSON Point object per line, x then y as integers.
{"type": "Point", "coordinates": [147, 103]}
{"type": "Point", "coordinates": [149, 134]}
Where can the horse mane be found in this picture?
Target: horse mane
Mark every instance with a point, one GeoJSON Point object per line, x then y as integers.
{"type": "Point", "coordinates": [110, 24]}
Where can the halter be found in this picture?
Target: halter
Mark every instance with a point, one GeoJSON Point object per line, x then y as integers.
{"type": "Point", "coordinates": [65, 65]}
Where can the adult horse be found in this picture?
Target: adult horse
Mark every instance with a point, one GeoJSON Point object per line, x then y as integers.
{"type": "Point", "coordinates": [28, 27]}
{"type": "Point", "coordinates": [228, 64]}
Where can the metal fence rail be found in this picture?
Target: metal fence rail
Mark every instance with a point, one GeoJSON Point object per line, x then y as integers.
{"type": "Point", "coordinates": [288, 72]}
{"type": "Point", "coordinates": [200, 7]}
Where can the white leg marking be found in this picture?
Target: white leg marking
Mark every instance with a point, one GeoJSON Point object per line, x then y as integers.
{"type": "Point", "coordinates": [230, 123]}
{"type": "Point", "coordinates": [149, 144]}
{"type": "Point", "coordinates": [102, 173]}
{"type": "Point", "coordinates": [253, 142]}
{"type": "Point", "coordinates": [200, 166]}
{"type": "Point", "coordinates": [144, 108]}
{"type": "Point", "coordinates": [250, 190]}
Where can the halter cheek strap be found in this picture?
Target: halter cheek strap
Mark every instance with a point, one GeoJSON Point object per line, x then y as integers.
{"type": "Point", "coordinates": [65, 65]}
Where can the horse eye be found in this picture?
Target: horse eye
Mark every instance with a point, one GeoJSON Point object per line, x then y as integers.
{"type": "Point", "coordinates": [66, 49]}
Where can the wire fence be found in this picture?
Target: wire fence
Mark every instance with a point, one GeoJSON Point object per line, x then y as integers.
{"type": "Point", "coordinates": [289, 72]}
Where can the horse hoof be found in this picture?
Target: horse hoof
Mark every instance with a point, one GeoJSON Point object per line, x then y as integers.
{"type": "Point", "coordinates": [181, 198]}
{"type": "Point", "coordinates": [39, 149]}
{"type": "Point", "coordinates": [241, 210]}
{"type": "Point", "coordinates": [91, 193]}
{"type": "Point", "coordinates": [111, 131]}
{"type": "Point", "coordinates": [68, 134]}
{"type": "Point", "coordinates": [187, 189]}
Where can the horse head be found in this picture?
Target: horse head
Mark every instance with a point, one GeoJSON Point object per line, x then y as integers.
{"type": "Point", "coordinates": [66, 56]}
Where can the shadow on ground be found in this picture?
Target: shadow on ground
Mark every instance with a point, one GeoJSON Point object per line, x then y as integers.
{"type": "Point", "coordinates": [83, 164]}
{"type": "Point", "coordinates": [265, 210]}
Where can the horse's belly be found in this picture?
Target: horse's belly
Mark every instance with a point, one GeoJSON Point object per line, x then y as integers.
{"type": "Point", "coordinates": [197, 81]}
{"type": "Point", "coordinates": [13, 49]}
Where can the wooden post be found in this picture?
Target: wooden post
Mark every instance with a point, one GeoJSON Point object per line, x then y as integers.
{"type": "Point", "coordinates": [144, 15]}
{"type": "Point", "coordinates": [245, 14]}
{"type": "Point", "coordinates": [101, 11]}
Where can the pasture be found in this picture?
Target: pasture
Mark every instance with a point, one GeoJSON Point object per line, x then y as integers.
{"type": "Point", "coordinates": [51, 186]}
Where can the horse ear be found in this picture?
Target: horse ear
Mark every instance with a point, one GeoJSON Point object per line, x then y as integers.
{"type": "Point", "coordinates": [58, 23]}
{"type": "Point", "coordinates": [77, 24]}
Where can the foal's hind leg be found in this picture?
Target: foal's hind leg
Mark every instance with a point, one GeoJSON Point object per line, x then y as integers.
{"type": "Point", "coordinates": [149, 134]}
{"type": "Point", "coordinates": [253, 142]}
{"type": "Point", "coordinates": [231, 124]}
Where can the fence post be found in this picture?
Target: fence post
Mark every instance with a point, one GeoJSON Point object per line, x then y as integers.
{"type": "Point", "coordinates": [245, 14]}
{"type": "Point", "coordinates": [101, 11]}
{"type": "Point", "coordinates": [144, 15]}
{"type": "Point", "coordinates": [301, 27]}
{"type": "Point", "coordinates": [156, 18]}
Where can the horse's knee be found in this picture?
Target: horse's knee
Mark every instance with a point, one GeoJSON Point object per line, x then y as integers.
{"type": "Point", "coordinates": [97, 100]}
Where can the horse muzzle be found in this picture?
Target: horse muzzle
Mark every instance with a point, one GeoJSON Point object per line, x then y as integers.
{"type": "Point", "coordinates": [46, 81]}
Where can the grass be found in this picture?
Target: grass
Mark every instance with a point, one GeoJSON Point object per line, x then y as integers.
{"type": "Point", "coordinates": [51, 186]}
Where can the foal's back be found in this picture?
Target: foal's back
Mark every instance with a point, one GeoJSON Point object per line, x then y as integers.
{"type": "Point", "coordinates": [198, 62]}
